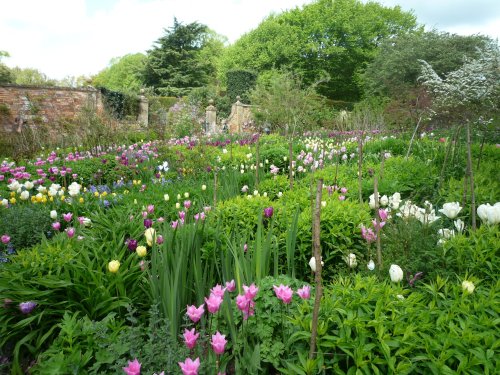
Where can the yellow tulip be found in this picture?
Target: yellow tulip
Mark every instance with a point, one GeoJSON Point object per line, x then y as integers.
{"type": "Point", "coordinates": [141, 251]}
{"type": "Point", "coordinates": [113, 266]}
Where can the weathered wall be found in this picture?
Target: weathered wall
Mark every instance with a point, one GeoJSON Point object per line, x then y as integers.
{"type": "Point", "coordinates": [32, 105]}
{"type": "Point", "coordinates": [241, 119]}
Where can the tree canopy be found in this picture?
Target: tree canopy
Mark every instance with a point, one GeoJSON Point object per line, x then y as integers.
{"type": "Point", "coordinates": [182, 59]}
{"type": "Point", "coordinates": [123, 73]}
{"type": "Point", "coordinates": [335, 38]}
{"type": "Point", "coordinates": [396, 68]}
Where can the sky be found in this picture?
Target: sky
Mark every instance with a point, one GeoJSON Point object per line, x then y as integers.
{"type": "Point", "coordinates": [80, 37]}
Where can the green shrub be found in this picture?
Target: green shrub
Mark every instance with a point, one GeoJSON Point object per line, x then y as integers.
{"type": "Point", "coordinates": [375, 328]}
{"type": "Point", "coordinates": [340, 235]}
{"type": "Point", "coordinates": [96, 347]}
{"type": "Point", "coordinates": [239, 82]}
{"type": "Point", "coordinates": [25, 224]}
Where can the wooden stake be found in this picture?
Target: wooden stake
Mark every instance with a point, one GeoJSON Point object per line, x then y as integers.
{"type": "Point", "coordinates": [316, 224]}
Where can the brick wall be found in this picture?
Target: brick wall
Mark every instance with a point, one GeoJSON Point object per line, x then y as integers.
{"type": "Point", "coordinates": [32, 105]}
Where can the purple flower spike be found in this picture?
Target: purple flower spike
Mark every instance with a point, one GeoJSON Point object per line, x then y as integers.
{"type": "Point", "coordinates": [27, 307]}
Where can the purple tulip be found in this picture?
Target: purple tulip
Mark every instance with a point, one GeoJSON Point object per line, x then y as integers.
{"type": "Point", "coordinates": [27, 307]}
{"type": "Point", "coordinates": [131, 244]}
{"type": "Point", "coordinates": [5, 239]}
{"type": "Point", "coordinates": [148, 223]}
{"type": "Point", "coordinates": [268, 212]}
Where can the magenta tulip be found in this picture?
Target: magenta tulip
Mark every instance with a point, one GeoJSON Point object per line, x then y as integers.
{"type": "Point", "coordinates": [218, 343]}
{"type": "Point", "coordinates": [190, 367]}
{"type": "Point", "coordinates": [195, 313]}
{"type": "Point", "coordinates": [190, 338]}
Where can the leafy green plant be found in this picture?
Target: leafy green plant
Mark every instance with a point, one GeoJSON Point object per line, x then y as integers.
{"type": "Point", "coordinates": [25, 224]}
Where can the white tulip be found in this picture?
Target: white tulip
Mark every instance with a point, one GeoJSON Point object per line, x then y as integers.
{"type": "Point", "coordinates": [459, 225]}
{"type": "Point", "coordinates": [396, 273]}
{"type": "Point", "coordinates": [451, 209]}
{"type": "Point", "coordinates": [312, 264]}
{"type": "Point", "coordinates": [371, 265]}
{"type": "Point", "coordinates": [351, 260]}
{"type": "Point", "coordinates": [384, 201]}
{"type": "Point", "coordinates": [28, 185]}
{"type": "Point", "coordinates": [489, 214]}
{"type": "Point", "coordinates": [166, 197]}
{"type": "Point", "coordinates": [25, 195]}
{"type": "Point", "coordinates": [446, 233]}
{"type": "Point", "coordinates": [74, 189]}
{"type": "Point", "coordinates": [468, 286]}
{"type": "Point", "coordinates": [53, 214]}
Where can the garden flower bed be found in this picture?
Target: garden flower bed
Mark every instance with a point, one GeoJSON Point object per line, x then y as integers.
{"type": "Point", "coordinates": [196, 256]}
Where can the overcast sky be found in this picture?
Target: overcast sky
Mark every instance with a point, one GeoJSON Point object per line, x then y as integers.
{"type": "Point", "coordinates": [79, 37]}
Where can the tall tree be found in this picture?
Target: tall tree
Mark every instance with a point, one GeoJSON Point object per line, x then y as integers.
{"type": "Point", "coordinates": [5, 73]}
{"type": "Point", "coordinates": [396, 67]}
{"type": "Point", "coordinates": [336, 37]}
{"type": "Point", "coordinates": [179, 60]}
{"type": "Point", "coordinates": [31, 76]}
{"type": "Point", "coordinates": [123, 74]}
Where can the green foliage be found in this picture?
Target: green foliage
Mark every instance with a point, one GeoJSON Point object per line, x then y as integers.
{"type": "Point", "coordinates": [239, 83]}
{"type": "Point", "coordinates": [365, 327]}
{"type": "Point", "coordinates": [271, 328]}
{"type": "Point", "coordinates": [89, 347]}
{"type": "Point", "coordinates": [240, 214]}
{"type": "Point", "coordinates": [395, 69]}
{"type": "Point", "coordinates": [340, 235]}
{"type": "Point", "coordinates": [413, 246]}
{"type": "Point", "coordinates": [475, 254]}
{"type": "Point", "coordinates": [119, 104]}
{"type": "Point", "coordinates": [176, 63]}
{"type": "Point", "coordinates": [201, 97]}
{"type": "Point", "coordinates": [411, 177]}
{"type": "Point", "coordinates": [284, 104]}
{"type": "Point", "coordinates": [337, 38]}
{"type": "Point", "coordinates": [30, 76]}
{"type": "Point", "coordinates": [123, 74]}
{"type": "Point", "coordinates": [26, 225]}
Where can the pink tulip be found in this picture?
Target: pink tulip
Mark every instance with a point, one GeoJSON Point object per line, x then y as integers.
{"type": "Point", "coordinates": [70, 232]}
{"type": "Point", "coordinates": [174, 224]}
{"type": "Point", "coordinates": [195, 313]}
{"type": "Point", "coordinates": [182, 215]}
{"type": "Point", "coordinates": [382, 214]}
{"type": "Point", "coordinates": [133, 368]}
{"type": "Point", "coordinates": [151, 208]}
{"type": "Point", "coordinates": [67, 217]}
{"type": "Point", "coordinates": [190, 367]}
{"type": "Point", "coordinates": [343, 190]}
{"type": "Point", "coordinates": [56, 225]}
{"type": "Point", "coordinates": [378, 226]}
{"type": "Point", "coordinates": [218, 343]}
{"type": "Point", "coordinates": [230, 286]}
{"type": "Point", "coordinates": [368, 234]}
{"type": "Point", "coordinates": [187, 205]}
{"type": "Point", "coordinates": [190, 338]}
{"type": "Point", "coordinates": [304, 292]}
{"type": "Point", "coordinates": [213, 303]}
{"type": "Point", "coordinates": [218, 290]}
{"type": "Point", "coordinates": [245, 305]}
{"type": "Point", "coordinates": [250, 291]}
{"type": "Point", "coordinates": [5, 239]}
{"type": "Point", "coordinates": [284, 293]}
{"type": "Point", "coordinates": [341, 197]}
{"type": "Point", "coordinates": [245, 248]}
